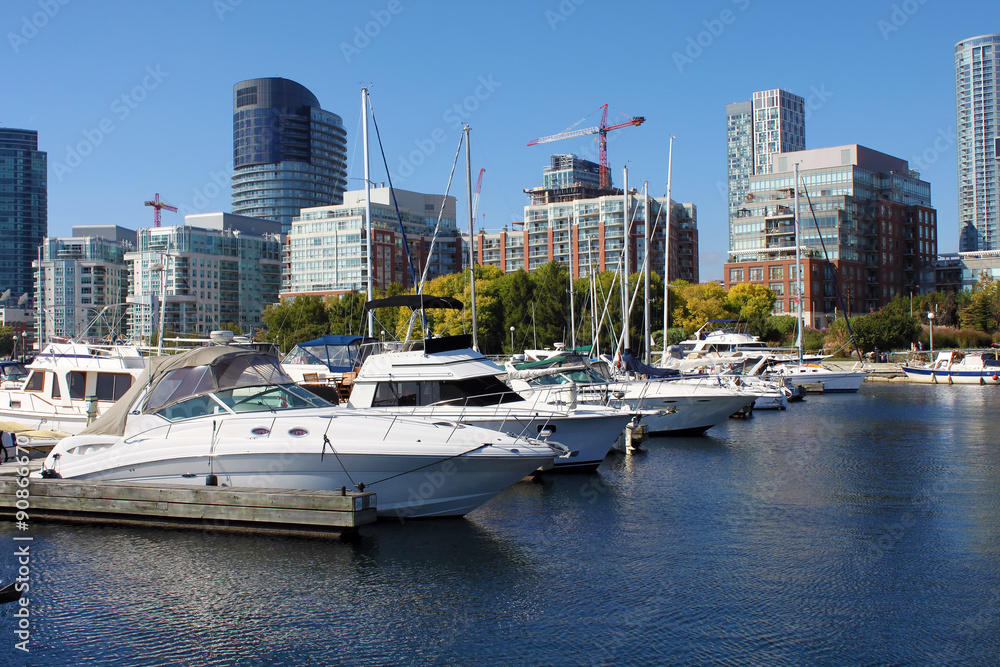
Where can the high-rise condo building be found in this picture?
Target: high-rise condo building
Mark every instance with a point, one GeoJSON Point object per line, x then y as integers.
{"type": "Point", "coordinates": [869, 212]}
{"type": "Point", "coordinates": [774, 121]}
{"type": "Point", "coordinates": [82, 276]}
{"type": "Point", "coordinates": [288, 152]}
{"type": "Point", "coordinates": [23, 211]}
{"type": "Point", "coordinates": [977, 61]}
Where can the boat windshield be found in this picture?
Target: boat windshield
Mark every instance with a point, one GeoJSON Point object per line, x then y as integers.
{"type": "Point", "coordinates": [579, 376]}
{"type": "Point", "coordinates": [13, 371]}
{"type": "Point", "coordinates": [227, 374]}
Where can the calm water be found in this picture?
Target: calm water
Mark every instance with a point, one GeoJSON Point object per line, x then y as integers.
{"type": "Point", "coordinates": [850, 530]}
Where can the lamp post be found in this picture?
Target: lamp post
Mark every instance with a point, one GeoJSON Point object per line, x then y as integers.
{"type": "Point", "coordinates": [512, 339]}
{"type": "Point", "coordinates": [930, 321]}
{"type": "Point", "coordinates": [13, 353]}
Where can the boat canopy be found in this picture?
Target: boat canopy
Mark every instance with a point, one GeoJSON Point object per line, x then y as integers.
{"type": "Point", "coordinates": [170, 379]}
{"type": "Point", "coordinates": [340, 354]}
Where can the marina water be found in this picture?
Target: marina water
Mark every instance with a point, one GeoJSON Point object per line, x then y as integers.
{"type": "Point", "coordinates": [857, 529]}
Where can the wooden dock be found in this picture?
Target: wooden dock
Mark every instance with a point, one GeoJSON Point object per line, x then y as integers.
{"type": "Point", "coordinates": [209, 508]}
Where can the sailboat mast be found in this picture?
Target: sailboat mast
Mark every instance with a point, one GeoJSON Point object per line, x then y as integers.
{"type": "Point", "coordinates": [647, 310]}
{"type": "Point", "coordinates": [625, 264]}
{"type": "Point", "coordinates": [798, 261]}
{"type": "Point", "coordinates": [368, 206]}
{"type": "Point", "coordinates": [666, 252]}
{"type": "Point", "coordinates": [472, 256]}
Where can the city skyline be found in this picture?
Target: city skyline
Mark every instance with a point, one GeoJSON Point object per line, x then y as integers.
{"type": "Point", "coordinates": [123, 115]}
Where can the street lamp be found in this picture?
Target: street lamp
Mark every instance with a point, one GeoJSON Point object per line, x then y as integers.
{"type": "Point", "coordinates": [13, 353]}
{"type": "Point", "coordinates": [512, 339]}
{"type": "Point", "coordinates": [930, 321]}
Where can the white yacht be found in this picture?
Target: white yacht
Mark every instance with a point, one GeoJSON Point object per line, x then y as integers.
{"type": "Point", "coordinates": [69, 384]}
{"type": "Point", "coordinates": [682, 406]}
{"type": "Point", "coordinates": [230, 416]}
{"type": "Point", "coordinates": [443, 378]}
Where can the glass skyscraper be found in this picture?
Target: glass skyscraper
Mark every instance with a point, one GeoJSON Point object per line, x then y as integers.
{"type": "Point", "coordinates": [773, 122]}
{"type": "Point", "coordinates": [24, 210]}
{"type": "Point", "coordinates": [288, 153]}
{"type": "Point", "coordinates": [976, 62]}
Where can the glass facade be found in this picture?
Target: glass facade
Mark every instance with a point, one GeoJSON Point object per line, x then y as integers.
{"type": "Point", "coordinates": [288, 153]}
{"type": "Point", "coordinates": [207, 277]}
{"type": "Point", "coordinates": [79, 277]}
{"type": "Point", "coordinates": [976, 62]}
{"type": "Point", "coordinates": [772, 122]}
{"type": "Point", "coordinates": [23, 210]}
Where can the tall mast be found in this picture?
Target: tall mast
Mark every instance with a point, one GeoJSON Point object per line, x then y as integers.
{"type": "Point", "coordinates": [368, 207]}
{"type": "Point", "coordinates": [666, 253]}
{"type": "Point", "coordinates": [647, 240]}
{"type": "Point", "coordinates": [626, 268]}
{"type": "Point", "coordinates": [472, 255]}
{"type": "Point", "coordinates": [798, 262]}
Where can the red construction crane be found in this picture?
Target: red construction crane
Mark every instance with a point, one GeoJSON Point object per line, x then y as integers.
{"type": "Point", "coordinates": [601, 130]}
{"type": "Point", "coordinates": [157, 205]}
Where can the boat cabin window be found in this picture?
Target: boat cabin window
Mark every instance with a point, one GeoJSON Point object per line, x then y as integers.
{"type": "Point", "coordinates": [36, 381]}
{"type": "Point", "coordinates": [77, 384]}
{"type": "Point", "coordinates": [478, 391]}
{"type": "Point", "coordinates": [56, 391]}
{"type": "Point", "coordinates": [112, 386]}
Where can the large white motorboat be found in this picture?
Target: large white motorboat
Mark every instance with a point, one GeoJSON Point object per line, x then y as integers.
{"type": "Point", "coordinates": [680, 406]}
{"type": "Point", "coordinates": [822, 377]}
{"type": "Point", "coordinates": [443, 378]}
{"type": "Point", "coordinates": [69, 384]}
{"type": "Point", "coordinates": [230, 416]}
{"type": "Point", "coordinates": [957, 367]}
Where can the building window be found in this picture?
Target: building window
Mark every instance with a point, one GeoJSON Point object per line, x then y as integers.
{"type": "Point", "coordinates": [735, 275]}
{"type": "Point", "coordinates": [778, 288]}
{"type": "Point", "coordinates": [756, 273]}
{"type": "Point", "coordinates": [776, 272]}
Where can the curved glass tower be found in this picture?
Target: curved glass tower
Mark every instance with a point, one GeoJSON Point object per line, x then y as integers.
{"type": "Point", "coordinates": [977, 61]}
{"type": "Point", "coordinates": [288, 153]}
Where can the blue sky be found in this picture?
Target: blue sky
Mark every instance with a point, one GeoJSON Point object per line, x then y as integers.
{"type": "Point", "coordinates": [131, 99]}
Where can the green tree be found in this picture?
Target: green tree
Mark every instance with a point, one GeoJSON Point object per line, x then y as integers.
{"type": "Point", "coordinates": [883, 330]}
{"type": "Point", "coordinates": [550, 287]}
{"type": "Point", "coordinates": [983, 310]}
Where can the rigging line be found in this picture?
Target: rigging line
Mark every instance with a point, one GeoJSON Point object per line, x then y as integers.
{"type": "Point", "coordinates": [326, 441]}
{"type": "Point", "coordinates": [399, 217]}
{"type": "Point", "coordinates": [426, 465]}
{"type": "Point", "coordinates": [833, 274]}
{"type": "Point", "coordinates": [430, 251]}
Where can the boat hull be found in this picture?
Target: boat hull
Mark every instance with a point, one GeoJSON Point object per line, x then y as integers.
{"type": "Point", "coordinates": [937, 376]}
{"type": "Point", "coordinates": [417, 469]}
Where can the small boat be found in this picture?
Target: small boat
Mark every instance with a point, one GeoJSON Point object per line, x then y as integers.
{"type": "Point", "coordinates": [957, 367]}
{"type": "Point", "coordinates": [9, 592]}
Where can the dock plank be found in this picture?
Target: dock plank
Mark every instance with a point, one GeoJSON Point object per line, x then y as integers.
{"type": "Point", "coordinates": [297, 511]}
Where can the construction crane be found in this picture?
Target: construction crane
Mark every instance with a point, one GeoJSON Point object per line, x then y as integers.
{"type": "Point", "coordinates": [601, 130]}
{"type": "Point", "coordinates": [157, 205]}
